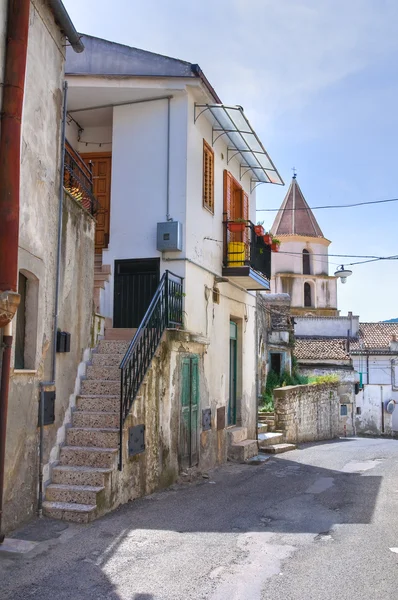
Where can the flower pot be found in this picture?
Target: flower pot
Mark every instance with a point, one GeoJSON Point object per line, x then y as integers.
{"type": "Point", "coordinates": [236, 227]}
{"type": "Point", "coordinates": [259, 230]}
{"type": "Point", "coordinates": [267, 239]}
{"type": "Point", "coordinates": [275, 246]}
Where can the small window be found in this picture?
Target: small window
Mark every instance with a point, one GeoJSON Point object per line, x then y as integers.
{"type": "Point", "coordinates": [358, 410]}
{"type": "Point", "coordinates": [307, 295]}
{"type": "Point", "coordinates": [343, 410]}
{"type": "Point", "coordinates": [216, 295]}
{"type": "Point", "coordinates": [208, 177]}
{"type": "Point", "coordinates": [306, 263]}
{"type": "Point", "coordinates": [21, 324]}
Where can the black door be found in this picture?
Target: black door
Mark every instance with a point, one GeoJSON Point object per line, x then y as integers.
{"type": "Point", "coordinates": [136, 281]}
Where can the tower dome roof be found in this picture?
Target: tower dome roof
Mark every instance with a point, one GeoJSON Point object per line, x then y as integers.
{"type": "Point", "coordinates": [295, 216]}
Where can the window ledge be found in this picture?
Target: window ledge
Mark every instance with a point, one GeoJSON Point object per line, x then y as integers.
{"type": "Point", "coordinates": [25, 371]}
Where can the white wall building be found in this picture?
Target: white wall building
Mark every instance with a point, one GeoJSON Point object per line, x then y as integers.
{"type": "Point", "coordinates": [165, 150]}
{"type": "Point", "coordinates": [301, 267]}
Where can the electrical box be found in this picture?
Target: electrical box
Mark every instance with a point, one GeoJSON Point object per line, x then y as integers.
{"type": "Point", "coordinates": [49, 408]}
{"type": "Point", "coordinates": [169, 236]}
{"type": "Point", "coordinates": [63, 341]}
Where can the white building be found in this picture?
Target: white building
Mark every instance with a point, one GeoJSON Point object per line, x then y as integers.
{"type": "Point", "coordinates": [301, 267]}
{"type": "Point", "coordinates": [173, 166]}
{"type": "Point", "coordinates": [375, 358]}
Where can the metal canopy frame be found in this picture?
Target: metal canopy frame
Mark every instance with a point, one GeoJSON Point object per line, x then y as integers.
{"type": "Point", "coordinates": [243, 142]}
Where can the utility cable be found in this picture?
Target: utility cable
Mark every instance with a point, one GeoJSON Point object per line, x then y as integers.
{"type": "Point", "coordinates": [328, 206]}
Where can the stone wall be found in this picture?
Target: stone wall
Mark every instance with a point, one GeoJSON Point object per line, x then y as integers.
{"type": "Point", "coordinates": [309, 413]}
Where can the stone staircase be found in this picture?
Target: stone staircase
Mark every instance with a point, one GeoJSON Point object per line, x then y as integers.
{"type": "Point", "coordinates": [81, 487]}
{"type": "Point", "coordinates": [240, 449]}
{"type": "Point", "coordinates": [101, 277]}
{"type": "Point", "coordinates": [271, 440]}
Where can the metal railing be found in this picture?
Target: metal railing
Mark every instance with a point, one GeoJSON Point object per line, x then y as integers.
{"type": "Point", "coordinates": [245, 247]}
{"type": "Point", "coordinates": [165, 310]}
{"type": "Point", "coordinates": [78, 180]}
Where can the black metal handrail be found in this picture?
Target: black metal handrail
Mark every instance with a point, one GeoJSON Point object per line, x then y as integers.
{"type": "Point", "coordinates": [164, 311]}
{"type": "Point", "coordinates": [78, 180]}
{"type": "Point", "coordinates": [245, 247]}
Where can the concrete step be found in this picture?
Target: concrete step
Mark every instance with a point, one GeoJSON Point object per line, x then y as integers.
{"type": "Point", "coordinates": [278, 448]}
{"type": "Point", "coordinates": [119, 334]}
{"type": "Point", "coordinates": [112, 347]}
{"type": "Point", "coordinates": [262, 428]}
{"type": "Point", "coordinates": [95, 419]}
{"type": "Point", "coordinates": [100, 387]}
{"type": "Point", "coordinates": [98, 403]}
{"type": "Point", "coordinates": [76, 513]}
{"type": "Point", "coordinates": [106, 360]}
{"type": "Point", "coordinates": [242, 451]}
{"type": "Point", "coordinates": [236, 434]}
{"type": "Point", "coordinates": [110, 373]}
{"type": "Point", "coordinates": [88, 457]}
{"type": "Point", "coordinates": [70, 475]}
{"type": "Point", "coordinates": [99, 285]}
{"type": "Point", "coordinates": [266, 439]}
{"type": "Point", "coordinates": [90, 437]}
{"type": "Point", "coordinates": [76, 494]}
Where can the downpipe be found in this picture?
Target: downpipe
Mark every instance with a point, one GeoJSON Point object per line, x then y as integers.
{"type": "Point", "coordinates": [10, 160]}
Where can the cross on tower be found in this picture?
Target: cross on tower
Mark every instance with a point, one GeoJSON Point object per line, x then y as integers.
{"type": "Point", "coordinates": [294, 172]}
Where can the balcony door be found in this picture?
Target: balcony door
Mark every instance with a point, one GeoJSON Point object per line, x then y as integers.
{"type": "Point", "coordinates": [101, 169]}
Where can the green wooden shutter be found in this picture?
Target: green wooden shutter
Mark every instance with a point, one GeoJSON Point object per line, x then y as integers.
{"type": "Point", "coordinates": [194, 410]}
{"type": "Point", "coordinates": [185, 412]}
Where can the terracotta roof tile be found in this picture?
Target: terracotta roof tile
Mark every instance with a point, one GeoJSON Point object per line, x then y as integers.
{"type": "Point", "coordinates": [321, 348]}
{"type": "Point", "coordinates": [376, 336]}
{"type": "Point", "coordinates": [290, 221]}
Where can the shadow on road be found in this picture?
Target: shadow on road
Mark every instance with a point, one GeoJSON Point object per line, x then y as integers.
{"type": "Point", "coordinates": [283, 495]}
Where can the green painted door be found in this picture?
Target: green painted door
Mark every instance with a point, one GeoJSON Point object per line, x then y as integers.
{"type": "Point", "coordinates": [233, 356]}
{"type": "Point", "coordinates": [189, 411]}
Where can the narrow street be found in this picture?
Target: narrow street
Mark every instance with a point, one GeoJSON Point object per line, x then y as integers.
{"type": "Point", "coordinates": [316, 523]}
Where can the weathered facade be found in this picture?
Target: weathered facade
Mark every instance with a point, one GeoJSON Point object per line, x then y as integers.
{"type": "Point", "coordinates": [33, 327]}
{"type": "Point", "coordinates": [275, 336]}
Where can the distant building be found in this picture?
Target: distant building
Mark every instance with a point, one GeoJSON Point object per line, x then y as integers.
{"type": "Point", "coordinates": [301, 267]}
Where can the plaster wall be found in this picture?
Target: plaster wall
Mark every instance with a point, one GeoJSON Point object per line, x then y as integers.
{"type": "Point", "coordinates": [39, 201]}
{"type": "Point", "coordinates": [289, 259]}
{"type": "Point", "coordinates": [377, 369]}
{"type": "Point", "coordinates": [344, 372]}
{"type": "Point", "coordinates": [323, 290]}
{"type": "Point", "coordinates": [370, 420]}
{"type": "Point", "coordinates": [327, 326]}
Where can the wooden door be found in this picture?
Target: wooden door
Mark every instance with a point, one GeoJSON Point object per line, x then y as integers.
{"type": "Point", "coordinates": [101, 169]}
{"type": "Point", "coordinates": [189, 450]}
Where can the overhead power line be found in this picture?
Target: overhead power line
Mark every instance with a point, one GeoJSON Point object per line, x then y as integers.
{"type": "Point", "coordinates": [329, 206]}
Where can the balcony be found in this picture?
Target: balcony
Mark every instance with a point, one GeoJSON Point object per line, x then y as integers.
{"type": "Point", "coordinates": [78, 180]}
{"type": "Point", "coordinates": [247, 258]}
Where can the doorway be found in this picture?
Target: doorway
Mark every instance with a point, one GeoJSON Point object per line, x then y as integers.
{"type": "Point", "coordinates": [276, 362]}
{"type": "Point", "coordinates": [189, 451]}
{"type": "Point", "coordinates": [233, 368]}
{"type": "Point", "coordinates": [100, 163]}
{"type": "Point", "coordinates": [136, 281]}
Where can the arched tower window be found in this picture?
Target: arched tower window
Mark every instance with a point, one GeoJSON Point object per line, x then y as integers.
{"type": "Point", "coordinates": [307, 295]}
{"type": "Point", "coordinates": [306, 262]}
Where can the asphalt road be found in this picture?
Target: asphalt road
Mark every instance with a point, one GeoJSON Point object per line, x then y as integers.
{"type": "Point", "coordinates": [316, 523]}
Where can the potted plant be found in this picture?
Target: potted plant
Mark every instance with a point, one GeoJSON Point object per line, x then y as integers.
{"type": "Point", "coordinates": [259, 229]}
{"type": "Point", "coordinates": [267, 237]}
{"type": "Point", "coordinates": [237, 226]}
{"type": "Point", "coordinates": [275, 245]}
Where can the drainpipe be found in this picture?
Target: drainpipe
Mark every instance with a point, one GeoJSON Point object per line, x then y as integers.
{"type": "Point", "coordinates": [51, 383]}
{"type": "Point", "coordinates": [382, 409]}
{"type": "Point", "coordinates": [65, 23]}
{"type": "Point", "coordinates": [10, 160]}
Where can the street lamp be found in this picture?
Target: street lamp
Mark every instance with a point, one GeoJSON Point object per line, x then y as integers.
{"type": "Point", "coordinates": [342, 273]}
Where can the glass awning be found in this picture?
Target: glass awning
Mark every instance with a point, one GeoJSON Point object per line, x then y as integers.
{"type": "Point", "coordinates": [242, 141]}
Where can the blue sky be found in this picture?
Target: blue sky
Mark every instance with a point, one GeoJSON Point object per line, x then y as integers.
{"type": "Point", "coordinates": [318, 81]}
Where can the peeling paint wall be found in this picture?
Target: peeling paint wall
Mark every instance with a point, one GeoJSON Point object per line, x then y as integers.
{"type": "Point", "coordinates": [39, 201]}
{"type": "Point", "coordinates": [372, 419]}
